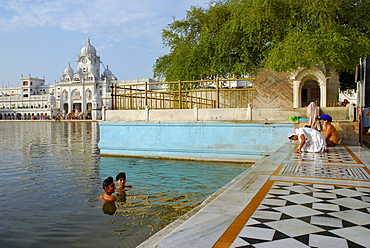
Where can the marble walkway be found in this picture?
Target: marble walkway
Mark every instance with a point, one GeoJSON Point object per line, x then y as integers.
{"type": "Point", "coordinates": [285, 200]}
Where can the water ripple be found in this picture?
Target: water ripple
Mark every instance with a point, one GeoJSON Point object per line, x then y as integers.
{"type": "Point", "coordinates": [52, 175]}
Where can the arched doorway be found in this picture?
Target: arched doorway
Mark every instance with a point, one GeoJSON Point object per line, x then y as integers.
{"type": "Point", "coordinates": [310, 92]}
{"type": "Point", "coordinates": [77, 106]}
{"type": "Point", "coordinates": [309, 85]}
{"type": "Point", "coordinates": [89, 108]}
{"type": "Point", "coordinates": [65, 108]}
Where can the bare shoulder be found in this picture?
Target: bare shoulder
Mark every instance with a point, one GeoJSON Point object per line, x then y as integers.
{"type": "Point", "coordinates": [108, 197]}
{"type": "Point", "coordinates": [333, 129]}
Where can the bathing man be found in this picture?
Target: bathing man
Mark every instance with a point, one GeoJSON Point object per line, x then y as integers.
{"type": "Point", "coordinates": [121, 180]}
{"type": "Point", "coordinates": [109, 188]}
{"type": "Point", "coordinates": [331, 134]}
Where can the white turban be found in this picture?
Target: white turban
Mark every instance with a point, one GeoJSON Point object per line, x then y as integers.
{"type": "Point", "coordinates": [291, 133]}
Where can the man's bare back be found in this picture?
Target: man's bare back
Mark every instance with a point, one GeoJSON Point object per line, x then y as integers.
{"type": "Point", "coordinates": [331, 135]}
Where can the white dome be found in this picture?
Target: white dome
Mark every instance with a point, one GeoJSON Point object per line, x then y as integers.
{"type": "Point", "coordinates": [51, 99]}
{"type": "Point", "coordinates": [107, 72]}
{"type": "Point", "coordinates": [68, 71]}
{"type": "Point", "coordinates": [88, 49]}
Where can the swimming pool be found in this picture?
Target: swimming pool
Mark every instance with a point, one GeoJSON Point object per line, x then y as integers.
{"type": "Point", "coordinates": [52, 174]}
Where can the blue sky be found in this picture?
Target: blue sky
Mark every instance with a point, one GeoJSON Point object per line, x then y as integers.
{"type": "Point", "coordinates": [40, 37]}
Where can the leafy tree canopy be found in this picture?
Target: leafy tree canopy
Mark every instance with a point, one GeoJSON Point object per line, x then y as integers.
{"type": "Point", "coordinates": [236, 37]}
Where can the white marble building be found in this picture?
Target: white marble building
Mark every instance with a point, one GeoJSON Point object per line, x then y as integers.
{"type": "Point", "coordinates": [80, 93]}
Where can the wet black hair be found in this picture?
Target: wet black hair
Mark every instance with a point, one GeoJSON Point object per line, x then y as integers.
{"type": "Point", "coordinates": [107, 181]}
{"type": "Point", "coordinates": [121, 175]}
{"type": "Point", "coordinates": [290, 137]}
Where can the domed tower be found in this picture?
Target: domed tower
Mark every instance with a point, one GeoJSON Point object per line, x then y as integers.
{"type": "Point", "coordinates": [68, 71]}
{"type": "Point", "coordinates": [88, 62]}
{"type": "Point", "coordinates": [51, 101]}
{"type": "Point", "coordinates": [107, 74]}
{"type": "Point", "coordinates": [67, 74]}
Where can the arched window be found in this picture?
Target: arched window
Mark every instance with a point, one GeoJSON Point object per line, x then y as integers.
{"type": "Point", "coordinates": [88, 94]}
{"type": "Point", "coordinates": [65, 95]}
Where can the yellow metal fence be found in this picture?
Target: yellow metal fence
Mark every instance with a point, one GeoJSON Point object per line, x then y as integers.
{"type": "Point", "coordinates": [218, 93]}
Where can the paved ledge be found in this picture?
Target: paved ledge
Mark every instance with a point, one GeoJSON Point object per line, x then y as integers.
{"type": "Point", "coordinates": [284, 200]}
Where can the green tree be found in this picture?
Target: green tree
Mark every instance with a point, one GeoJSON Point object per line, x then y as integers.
{"type": "Point", "coordinates": [236, 37]}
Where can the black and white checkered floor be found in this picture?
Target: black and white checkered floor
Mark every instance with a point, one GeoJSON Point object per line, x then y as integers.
{"type": "Point", "coordinates": [309, 215]}
{"type": "Point", "coordinates": [306, 214]}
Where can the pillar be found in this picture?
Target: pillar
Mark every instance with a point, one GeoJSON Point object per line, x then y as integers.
{"type": "Point", "coordinates": [296, 94]}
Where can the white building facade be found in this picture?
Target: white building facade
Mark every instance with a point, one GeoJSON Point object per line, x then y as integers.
{"type": "Point", "coordinates": [80, 93]}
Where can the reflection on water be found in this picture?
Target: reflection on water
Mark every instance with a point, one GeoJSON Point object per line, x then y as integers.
{"type": "Point", "coordinates": [52, 175]}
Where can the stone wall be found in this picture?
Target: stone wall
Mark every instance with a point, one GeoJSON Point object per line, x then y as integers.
{"type": "Point", "coordinates": [218, 141]}
{"type": "Point", "coordinates": [275, 90]}
{"type": "Point", "coordinates": [272, 90]}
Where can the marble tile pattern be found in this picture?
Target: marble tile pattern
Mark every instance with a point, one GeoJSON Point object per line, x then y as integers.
{"type": "Point", "coordinates": [334, 155]}
{"type": "Point", "coordinates": [310, 214]}
{"type": "Point", "coordinates": [337, 163]}
{"type": "Point", "coordinates": [320, 170]}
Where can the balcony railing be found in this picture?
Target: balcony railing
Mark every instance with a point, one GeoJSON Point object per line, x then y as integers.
{"type": "Point", "coordinates": [219, 93]}
{"type": "Point", "coordinates": [328, 104]}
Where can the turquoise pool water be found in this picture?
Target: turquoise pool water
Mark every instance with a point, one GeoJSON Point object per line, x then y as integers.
{"type": "Point", "coordinates": [52, 174]}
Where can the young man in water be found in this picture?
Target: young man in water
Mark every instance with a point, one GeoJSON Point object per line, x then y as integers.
{"type": "Point", "coordinates": [121, 180]}
{"type": "Point", "coordinates": [109, 188]}
{"type": "Point", "coordinates": [331, 134]}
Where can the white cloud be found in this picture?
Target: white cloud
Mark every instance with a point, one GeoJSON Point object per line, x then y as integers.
{"type": "Point", "coordinates": [126, 32]}
{"type": "Point", "coordinates": [116, 18]}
